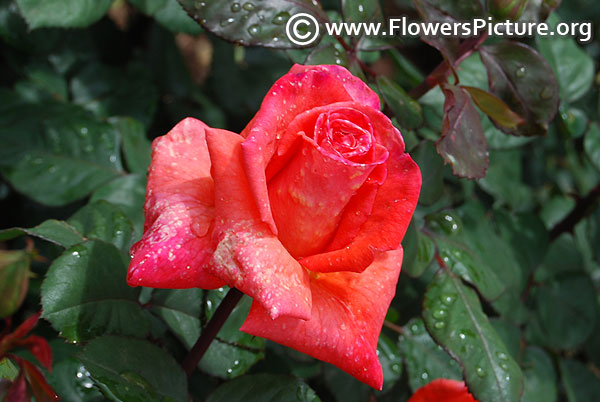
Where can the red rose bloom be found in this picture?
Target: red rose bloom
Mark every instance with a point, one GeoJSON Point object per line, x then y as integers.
{"type": "Point", "coordinates": [304, 212]}
{"type": "Point", "coordinates": [443, 390]}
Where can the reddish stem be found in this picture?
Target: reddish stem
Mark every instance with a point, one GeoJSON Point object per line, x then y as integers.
{"type": "Point", "coordinates": [211, 330]}
{"type": "Point", "coordinates": [443, 70]}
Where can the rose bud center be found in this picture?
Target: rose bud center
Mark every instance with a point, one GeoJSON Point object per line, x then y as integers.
{"type": "Point", "coordinates": [334, 152]}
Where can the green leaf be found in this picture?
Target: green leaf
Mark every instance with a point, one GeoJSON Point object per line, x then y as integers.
{"type": "Point", "coordinates": [509, 333]}
{"type": "Point", "coordinates": [504, 180]}
{"type": "Point", "coordinates": [391, 361]}
{"type": "Point", "coordinates": [453, 315]}
{"type": "Point", "coordinates": [409, 245]}
{"type": "Point", "coordinates": [169, 14]}
{"type": "Point", "coordinates": [8, 370]}
{"type": "Point", "coordinates": [136, 146]}
{"type": "Point", "coordinates": [574, 121]}
{"type": "Point", "coordinates": [361, 11]}
{"type": "Point", "coordinates": [408, 112]}
{"type": "Point", "coordinates": [489, 248]}
{"type": "Point", "coordinates": [432, 169]}
{"type": "Point", "coordinates": [471, 267]}
{"type": "Point", "coordinates": [527, 237]}
{"type": "Point", "coordinates": [327, 54]}
{"type": "Point", "coordinates": [103, 221]}
{"type": "Point", "coordinates": [60, 157]}
{"type": "Point", "coordinates": [140, 371]}
{"type": "Point", "coordinates": [343, 386]}
{"type": "Point", "coordinates": [252, 23]}
{"type": "Point", "coordinates": [463, 144]}
{"type": "Point", "coordinates": [424, 257]}
{"type": "Point", "coordinates": [233, 352]}
{"type": "Point", "coordinates": [72, 382]}
{"type": "Point", "coordinates": [581, 385]}
{"type": "Point", "coordinates": [573, 67]}
{"type": "Point", "coordinates": [52, 230]}
{"type": "Point", "coordinates": [425, 360]}
{"type": "Point", "coordinates": [525, 82]}
{"type": "Point", "coordinates": [264, 388]}
{"type": "Point", "coordinates": [566, 309]}
{"type": "Point", "coordinates": [591, 144]}
{"type": "Point", "coordinates": [14, 280]}
{"type": "Point", "coordinates": [62, 13]}
{"type": "Point", "coordinates": [127, 192]}
{"type": "Point", "coordinates": [539, 376]}
{"type": "Point", "coordinates": [85, 294]}
{"type": "Point", "coordinates": [108, 91]}
{"type": "Point", "coordinates": [496, 110]}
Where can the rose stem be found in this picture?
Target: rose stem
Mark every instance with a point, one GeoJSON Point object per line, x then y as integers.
{"type": "Point", "coordinates": [442, 71]}
{"type": "Point", "coordinates": [211, 330]}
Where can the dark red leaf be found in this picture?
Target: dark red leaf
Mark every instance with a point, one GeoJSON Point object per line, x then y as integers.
{"type": "Point", "coordinates": [40, 348]}
{"type": "Point", "coordinates": [18, 392]}
{"type": "Point", "coordinates": [463, 144]}
{"type": "Point", "coordinates": [42, 391]}
{"type": "Point", "coordinates": [521, 77]}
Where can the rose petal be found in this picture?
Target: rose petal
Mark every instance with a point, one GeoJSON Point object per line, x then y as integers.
{"type": "Point", "coordinates": [391, 212]}
{"type": "Point", "coordinates": [248, 255]}
{"type": "Point", "coordinates": [443, 390]}
{"type": "Point", "coordinates": [347, 315]}
{"type": "Point", "coordinates": [309, 195]}
{"type": "Point", "coordinates": [176, 244]}
{"type": "Point", "coordinates": [302, 89]}
{"type": "Point", "coordinates": [356, 88]}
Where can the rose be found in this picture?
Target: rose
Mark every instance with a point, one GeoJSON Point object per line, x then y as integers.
{"type": "Point", "coordinates": [443, 390]}
{"type": "Point", "coordinates": [304, 212]}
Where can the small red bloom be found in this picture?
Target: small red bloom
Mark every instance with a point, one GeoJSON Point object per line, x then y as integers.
{"type": "Point", "coordinates": [29, 374]}
{"type": "Point", "coordinates": [443, 390]}
{"type": "Point", "coordinates": [304, 212]}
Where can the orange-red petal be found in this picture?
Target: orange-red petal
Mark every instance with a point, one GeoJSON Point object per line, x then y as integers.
{"type": "Point", "coordinates": [248, 255]}
{"type": "Point", "coordinates": [302, 89]}
{"type": "Point", "coordinates": [443, 390]}
{"type": "Point", "coordinates": [347, 315]}
{"type": "Point", "coordinates": [176, 244]}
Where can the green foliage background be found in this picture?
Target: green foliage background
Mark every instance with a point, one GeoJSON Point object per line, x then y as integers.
{"type": "Point", "coordinates": [500, 283]}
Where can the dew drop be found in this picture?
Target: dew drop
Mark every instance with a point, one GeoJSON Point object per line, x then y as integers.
{"type": "Point", "coordinates": [521, 71]}
{"type": "Point", "coordinates": [235, 7]}
{"type": "Point", "coordinates": [281, 18]}
{"type": "Point", "coordinates": [546, 93]}
{"type": "Point", "coordinates": [424, 375]}
{"type": "Point", "coordinates": [439, 325]}
{"type": "Point", "coordinates": [447, 299]}
{"type": "Point", "coordinates": [227, 21]}
{"type": "Point", "coordinates": [502, 356]}
{"type": "Point", "coordinates": [396, 368]}
{"type": "Point", "coordinates": [441, 313]}
{"type": "Point", "coordinates": [480, 372]}
{"type": "Point", "coordinates": [248, 6]}
{"type": "Point", "coordinates": [254, 29]}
